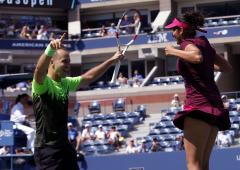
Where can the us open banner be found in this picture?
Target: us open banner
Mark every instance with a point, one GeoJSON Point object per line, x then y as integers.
{"type": "Point", "coordinates": [65, 4]}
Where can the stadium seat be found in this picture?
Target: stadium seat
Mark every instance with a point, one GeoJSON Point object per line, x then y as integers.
{"type": "Point", "coordinates": [94, 107]}
{"type": "Point", "coordinates": [118, 105]}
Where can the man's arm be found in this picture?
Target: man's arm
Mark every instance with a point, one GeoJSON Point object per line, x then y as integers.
{"type": "Point", "coordinates": [96, 72]}
{"type": "Point", "coordinates": [44, 60]}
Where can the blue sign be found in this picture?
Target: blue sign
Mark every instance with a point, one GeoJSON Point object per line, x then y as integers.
{"type": "Point", "coordinates": [221, 159]}
{"type": "Point", "coordinates": [6, 133]}
{"type": "Point", "coordinates": [31, 44]}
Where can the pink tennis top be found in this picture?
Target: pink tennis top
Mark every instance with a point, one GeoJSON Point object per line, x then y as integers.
{"type": "Point", "coordinates": [203, 100]}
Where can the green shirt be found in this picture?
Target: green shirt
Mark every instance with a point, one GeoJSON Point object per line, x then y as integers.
{"type": "Point", "coordinates": [50, 105]}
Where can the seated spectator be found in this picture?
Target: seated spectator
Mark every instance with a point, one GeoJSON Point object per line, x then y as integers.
{"type": "Point", "coordinates": [35, 32]}
{"type": "Point", "coordinates": [25, 33]}
{"type": "Point", "coordinates": [136, 83]}
{"type": "Point", "coordinates": [4, 150]}
{"type": "Point", "coordinates": [100, 134]}
{"type": "Point", "coordinates": [18, 116]}
{"type": "Point", "coordinates": [127, 24]}
{"type": "Point", "coordinates": [72, 135]}
{"type": "Point", "coordinates": [52, 36]}
{"type": "Point", "coordinates": [180, 145]}
{"type": "Point", "coordinates": [155, 147]}
{"type": "Point", "coordinates": [131, 148]}
{"type": "Point", "coordinates": [87, 133]}
{"type": "Point", "coordinates": [136, 75]}
{"type": "Point", "coordinates": [22, 86]}
{"type": "Point", "coordinates": [143, 147]}
{"type": "Point", "coordinates": [103, 31]}
{"type": "Point", "coordinates": [136, 23]}
{"type": "Point", "coordinates": [114, 138]}
{"type": "Point", "coordinates": [112, 30]}
{"type": "Point", "coordinates": [11, 31]}
{"type": "Point", "coordinates": [175, 101]}
{"type": "Point", "coordinates": [224, 139]}
{"type": "Point", "coordinates": [225, 101]}
{"type": "Point", "coordinates": [121, 79]}
{"type": "Point", "coordinates": [42, 33]}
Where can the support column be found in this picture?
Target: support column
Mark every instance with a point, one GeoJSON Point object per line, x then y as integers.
{"type": "Point", "coordinates": [74, 23]}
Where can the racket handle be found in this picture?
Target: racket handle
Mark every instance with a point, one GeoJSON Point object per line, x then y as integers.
{"type": "Point", "coordinates": [116, 71]}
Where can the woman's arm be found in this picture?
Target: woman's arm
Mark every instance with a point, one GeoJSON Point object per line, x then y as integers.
{"type": "Point", "coordinates": [220, 64]}
{"type": "Point", "coordinates": [191, 53]}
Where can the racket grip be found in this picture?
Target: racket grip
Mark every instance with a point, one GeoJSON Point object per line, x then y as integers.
{"type": "Point", "coordinates": [116, 71]}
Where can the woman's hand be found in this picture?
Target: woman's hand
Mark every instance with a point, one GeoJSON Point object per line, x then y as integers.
{"type": "Point", "coordinates": [169, 49]}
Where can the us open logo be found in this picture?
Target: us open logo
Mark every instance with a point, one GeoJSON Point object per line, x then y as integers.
{"type": "Point", "coordinates": [136, 168]}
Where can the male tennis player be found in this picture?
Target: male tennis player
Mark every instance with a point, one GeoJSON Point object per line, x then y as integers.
{"type": "Point", "coordinates": [50, 90]}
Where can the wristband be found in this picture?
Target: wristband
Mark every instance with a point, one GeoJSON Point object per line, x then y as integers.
{"type": "Point", "coordinates": [49, 51]}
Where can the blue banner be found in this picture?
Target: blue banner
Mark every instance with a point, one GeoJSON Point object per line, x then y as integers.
{"type": "Point", "coordinates": [6, 133]}
{"type": "Point", "coordinates": [221, 159]}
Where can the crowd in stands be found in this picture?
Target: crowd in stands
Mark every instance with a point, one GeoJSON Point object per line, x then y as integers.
{"type": "Point", "coordinates": [127, 26]}
{"type": "Point", "coordinates": [26, 32]}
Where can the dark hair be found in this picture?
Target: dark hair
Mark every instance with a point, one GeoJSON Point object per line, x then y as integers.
{"type": "Point", "coordinates": [20, 96]}
{"type": "Point", "coordinates": [194, 20]}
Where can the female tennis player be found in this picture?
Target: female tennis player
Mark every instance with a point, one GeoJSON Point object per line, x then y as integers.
{"type": "Point", "coordinates": [203, 115]}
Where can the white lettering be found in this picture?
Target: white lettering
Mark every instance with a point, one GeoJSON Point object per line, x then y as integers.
{"type": "Point", "coordinates": [49, 2]}
{"type": "Point", "coordinates": [10, 1]}
{"type": "Point", "coordinates": [33, 3]}
{"type": "Point", "coordinates": [17, 2]}
{"type": "Point", "coordinates": [2, 1]}
{"type": "Point", "coordinates": [25, 2]}
{"type": "Point", "coordinates": [238, 157]}
{"type": "Point", "coordinates": [41, 2]}
{"type": "Point", "coordinates": [162, 37]}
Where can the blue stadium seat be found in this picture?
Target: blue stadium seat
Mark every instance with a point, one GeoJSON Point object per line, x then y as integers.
{"type": "Point", "coordinates": [94, 107]}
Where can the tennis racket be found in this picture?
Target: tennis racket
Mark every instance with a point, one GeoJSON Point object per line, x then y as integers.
{"type": "Point", "coordinates": [126, 33]}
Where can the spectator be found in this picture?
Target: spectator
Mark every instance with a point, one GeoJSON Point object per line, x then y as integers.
{"type": "Point", "coordinates": [87, 133]}
{"type": "Point", "coordinates": [42, 33]}
{"type": "Point", "coordinates": [72, 135]}
{"type": "Point", "coordinates": [143, 147]}
{"type": "Point", "coordinates": [155, 145]}
{"type": "Point", "coordinates": [131, 148]}
{"type": "Point", "coordinates": [225, 101]}
{"type": "Point", "coordinates": [136, 75]}
{"type": "Point", "coordinates": [126, 23]}
{"type": "Point", "coordinates": [35, 32]}
{"type": "Point", "coordinates": [11, 31]}
{"type": "Point", "coordinates": [114, 138]}
{"type": "Point", "coordinates": [18, 117]}
{"type": "Point", "coordinates": [25, 33]}
{"type": "Point", "coordinates": [100, 134]}
{"type": "Point", "coordinates": [52, 36]}
{"type": "Point", "coordinates": [103, 31]}
{"type": "Point", "coordinates": [136, 83]}
{"type": "Point", "coordinates": [224, 139]}
{"type": "Point", "coordinates": [121, 79]}
{"type": "Point", "coordinates": [112, 30]}
{"type": "Point", "coordinates": [136, 23]}
{"type": "Point", "coordinates": [4, 150]}
{"type": "Point", "coordinates": [175, 101]}
{"type": "Point", "coordinates": [180, 145]}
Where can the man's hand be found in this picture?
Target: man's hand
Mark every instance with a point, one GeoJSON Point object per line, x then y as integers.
{"type": "Point", "coordinates": [117, 56]}
{"type": "Point", "coordinates": [57, 43]}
